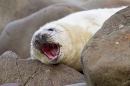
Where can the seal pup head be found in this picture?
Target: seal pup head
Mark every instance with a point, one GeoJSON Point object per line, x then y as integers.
{"type": "Point", "coordinates": [48, 42]}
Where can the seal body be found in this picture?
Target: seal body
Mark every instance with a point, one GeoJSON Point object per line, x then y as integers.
{"type": "Point", "coordinates": [62, 41]}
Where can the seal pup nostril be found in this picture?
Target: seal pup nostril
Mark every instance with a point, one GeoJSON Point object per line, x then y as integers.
{"type": "Point", "coordinates": [40, 40]}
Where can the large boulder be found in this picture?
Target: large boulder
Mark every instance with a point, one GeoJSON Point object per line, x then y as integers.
{"type": "Point", "coordinates": [106, 56]}
{"type": "Point", "coordinates": [17, 35]}
{"type": "Point", "coordinates": [17, 72]}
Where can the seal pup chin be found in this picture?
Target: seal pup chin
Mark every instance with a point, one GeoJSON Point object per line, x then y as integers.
{"type": "Point", "coordinates": [62, 41]}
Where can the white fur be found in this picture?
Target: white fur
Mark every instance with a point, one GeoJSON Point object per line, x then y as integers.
{"type": "Point", "coordinates": [74, 31]}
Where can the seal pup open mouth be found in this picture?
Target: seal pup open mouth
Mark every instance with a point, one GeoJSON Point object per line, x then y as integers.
{"type": "Point", "coordinates": [62, 41]}
{"type": "Point", "coordinates": [51, 50]}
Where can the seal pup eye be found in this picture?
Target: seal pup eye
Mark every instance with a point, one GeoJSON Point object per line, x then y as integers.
{"type": "Point", "coordinates": [51, 29]}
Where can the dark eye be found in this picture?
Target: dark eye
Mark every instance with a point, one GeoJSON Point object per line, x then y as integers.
{"type": "Point", "coordinates": [51, 29]}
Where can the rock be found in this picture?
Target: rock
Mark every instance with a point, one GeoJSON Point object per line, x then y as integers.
{"type": "Point", "coordinates": [13, 69]}
{"type": "Point", "coordinates": [17, 35]}
{"type": "Point", "coordinates": [106, 56]}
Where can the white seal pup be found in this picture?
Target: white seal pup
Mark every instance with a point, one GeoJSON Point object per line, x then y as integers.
{"type": "Point", "coordinates": [62, 41]}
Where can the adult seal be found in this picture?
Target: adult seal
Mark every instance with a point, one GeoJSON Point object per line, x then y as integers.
{"type": "Point", "coordinates": [62, 41]}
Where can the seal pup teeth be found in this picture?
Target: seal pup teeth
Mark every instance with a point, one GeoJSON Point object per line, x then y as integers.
{"type": "Point", "coordinates": [62, 41]}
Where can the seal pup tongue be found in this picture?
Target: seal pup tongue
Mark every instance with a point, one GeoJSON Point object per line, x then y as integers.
{"type": "Point", "coordinates": [51, 50]}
